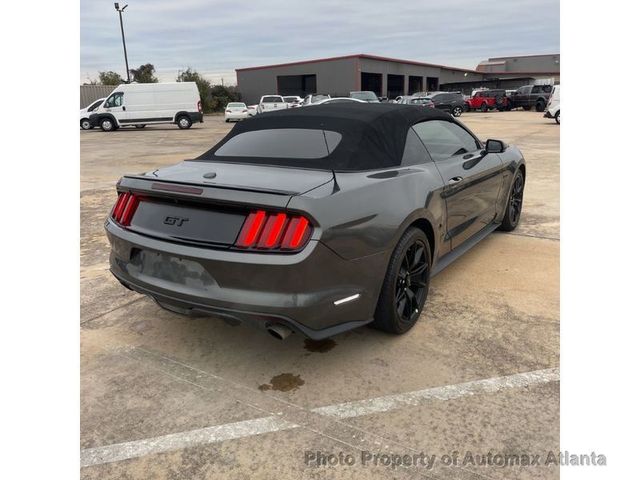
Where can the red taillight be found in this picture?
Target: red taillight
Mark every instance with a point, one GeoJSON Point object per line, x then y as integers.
{"type": "Point", "coordinates": [124, 208]}
{"type": "Point", "coordinates": [273, 231]}
{"type": "Point", "coordinates": [296, 233]}
{"type": "Point", "coordinates": [251, 228]}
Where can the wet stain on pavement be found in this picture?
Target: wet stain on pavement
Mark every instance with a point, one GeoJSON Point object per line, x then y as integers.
{"type": "Point", "coordinates": [319, 346]}
{"type": "Point", "coordinates": [284, 382]}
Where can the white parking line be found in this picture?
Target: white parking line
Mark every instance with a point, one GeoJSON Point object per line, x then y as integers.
{"type": "Point", "coordinates": [447, 392]}
{"type": "Point", "coordinates": [177, 441]}
{"type": "Point", "coordinates": [248, 428]}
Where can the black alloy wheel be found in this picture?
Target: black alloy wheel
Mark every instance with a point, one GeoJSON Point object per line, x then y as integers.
{"type": "Point", "coordinates": [406, 284]}
{"type": "Point", "coordinates": [514, 205]}
{"type": "Point", "coordinates": [411, 282]}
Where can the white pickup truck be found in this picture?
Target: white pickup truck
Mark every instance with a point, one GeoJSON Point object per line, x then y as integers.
{"type": "Point", "coordinates": [270, 103]}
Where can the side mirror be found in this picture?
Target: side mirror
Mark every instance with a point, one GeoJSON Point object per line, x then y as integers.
{"type": "Point", "coordinates": [494, 146]}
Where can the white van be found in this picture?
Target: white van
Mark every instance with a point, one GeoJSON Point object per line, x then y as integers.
{"type": "Point", "coordinates": [143, 104]}
{"type": "Point", "coordinates": [553, 106]}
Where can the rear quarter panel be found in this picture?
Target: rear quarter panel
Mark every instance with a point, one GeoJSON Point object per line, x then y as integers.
{"type": "Point", "coordinates": [365, 213]}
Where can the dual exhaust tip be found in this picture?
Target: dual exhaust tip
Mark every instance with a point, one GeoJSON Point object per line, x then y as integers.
{"type": "Point", "coordinates": [279, 331]}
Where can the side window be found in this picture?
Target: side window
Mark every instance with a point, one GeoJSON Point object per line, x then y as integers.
{"type": "Point", "coordinates": [536, 89]}
{"type": "Point", "coordinates": [521, 90]}
{"type": "Point", "coordinates": [445, 139]}
{"type": "Point", "coordinates": [114, 100]}
{"type": "Point", "coordinates": [414, 151]}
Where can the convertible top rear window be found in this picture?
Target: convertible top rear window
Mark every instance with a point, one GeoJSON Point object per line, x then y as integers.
{"type": "Point", "coordinates": [344, 137]}
{"type": "Point", "coordinates": [301, 143]}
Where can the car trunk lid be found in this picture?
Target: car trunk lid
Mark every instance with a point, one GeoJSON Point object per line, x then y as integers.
{"type": "Point", "coordinates": [206, 203]}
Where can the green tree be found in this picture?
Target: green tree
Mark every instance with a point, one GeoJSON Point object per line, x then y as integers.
{"type": "Point", "coordinates": [204, 87]}
{"type": "Point", "coordinates": [144, 74]}
{"type": "Point", "coordinates": [110, 78]}
{"type": "Point", "coordinates": [221, 95]}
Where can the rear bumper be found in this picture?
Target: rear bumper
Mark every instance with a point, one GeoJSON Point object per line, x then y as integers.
{"type": "Point", "coordinates": [196, 117]}
{"type": "Point", "coordinates": [296, 290]}
{"type": "Point", "coordinates": [236, 116]}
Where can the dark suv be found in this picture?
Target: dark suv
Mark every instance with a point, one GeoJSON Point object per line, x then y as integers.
{"type": "Point", "coordinates": [449, 101]}
{"type": "Point", "coordinates": [529, 96]}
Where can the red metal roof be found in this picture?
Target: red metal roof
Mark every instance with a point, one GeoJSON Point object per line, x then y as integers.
{"type": "Point", "coordinates": [359, 55]}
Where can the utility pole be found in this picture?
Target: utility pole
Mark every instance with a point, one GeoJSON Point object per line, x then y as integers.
{"type": "Point", "coordinates": [124, 45]}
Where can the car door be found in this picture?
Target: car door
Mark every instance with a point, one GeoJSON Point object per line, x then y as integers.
{"type": "Point", "coordinates": [520, 98]}
{"type": "Point", "coordinates": [116, 107]}
{"type": "Point", "coordinates": [472, 178]}
{"type": "Point", "coordinates": [442, 101]}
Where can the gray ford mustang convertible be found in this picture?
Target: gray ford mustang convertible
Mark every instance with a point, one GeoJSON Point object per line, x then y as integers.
{"type": "Point", "coordinates": [316, 220]}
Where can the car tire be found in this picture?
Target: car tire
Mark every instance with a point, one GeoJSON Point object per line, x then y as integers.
{"type": "Point", "coordinates": [457, 111]}
{"type": "Point", "coordinates": [85, 124]}
{"type": "Point", "coordinates": [184, 122]}
{"type": "Point", "coordinates": [513, 209]}
{"type": "Point", "coordinates": [141, 125]}
{"type": "Point", "coordinates": [540, 106]}
{"type": "Point", "coordinates": [557, 117]}
{"type": "Point", "coordinates": [403, 293]}
{"type": "Point", "coordinates": [226, 120]}
{"type": "Point", "coordinates": [484, 107]}
{"type": "Point", "coordinates": [107, 125]}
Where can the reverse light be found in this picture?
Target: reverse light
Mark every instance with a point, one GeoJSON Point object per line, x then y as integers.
{"type": "Point", "coordinates": [274, 231]}
{"type": "Point", "coordinates": [124, 208]}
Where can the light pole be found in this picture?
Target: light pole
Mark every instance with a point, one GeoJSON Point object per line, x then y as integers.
{"type": "Point", "coordinates": [124, 45]}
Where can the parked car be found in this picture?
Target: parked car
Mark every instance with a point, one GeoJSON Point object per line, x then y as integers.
{"type": "Point", "coordinates": [293, 101]}
{"type": "Point", "coordinates": [314, 98]}
{"type": "Point", "coordinates": [424, 101]}
{"type": "Point", "coordinates": [365, 96]}
{"type": "Point", "coordinates": [530, 96]}
{"type": "Point", "coordinates": [485, 100]}
{"type": "Point", "coordinates": [252, 110]}
{"type": "Point", "coordinates": [335, 100]}
{"type": "Point", "coordinates": [402, 98]}
{"type": "Point", "coordinates": [270, 103]}
{"type": "Point", "coordinates": [235, 111]}
{"type": "Point", "coordinates": [449, 101]}
{"type": "Point", "coordinates": [85, 113]}
{"type": "Point", "coordinates": [553, 107]}
{"type": "Point", "coordinates": [303, 228]}
{"type": "Point", "coordinates": [140, 104]}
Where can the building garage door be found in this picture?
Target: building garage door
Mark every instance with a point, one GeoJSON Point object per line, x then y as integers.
{"type": "Point", "coordinates": [300, 85]}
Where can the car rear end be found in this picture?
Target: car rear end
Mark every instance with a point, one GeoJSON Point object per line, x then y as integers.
{"type": "Point", "coordinates": [271, 103]}
{"type": "Point", "coordinates": [236, 111]}
{"type": "Point", "coordinates": [222, 239]}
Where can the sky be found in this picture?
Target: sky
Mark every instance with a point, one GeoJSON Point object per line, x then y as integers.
{"type": "Point", "coordinates": [216, 37]}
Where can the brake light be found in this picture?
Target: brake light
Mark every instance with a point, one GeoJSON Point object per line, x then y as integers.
{"type": "Point", "coordinates": [125, 208]}
{"type": "Point", "coordinates": [274, 231]}
{"type": "Point", "coordinates": [199, 106]}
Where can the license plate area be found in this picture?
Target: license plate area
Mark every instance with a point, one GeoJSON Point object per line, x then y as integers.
{"type": "Point", "coordinates": [169, 271]}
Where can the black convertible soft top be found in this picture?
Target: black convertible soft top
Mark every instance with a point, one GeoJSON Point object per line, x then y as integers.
{"type": "Point", "coordinates": [373, 135]}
